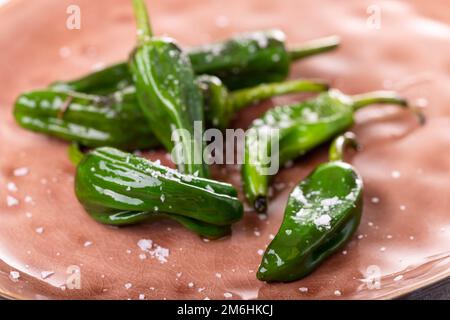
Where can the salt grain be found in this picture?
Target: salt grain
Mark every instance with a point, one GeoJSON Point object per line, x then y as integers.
{"type": "Point", "coordinates": [260, 252]}
{"type": "Point", "coordinates": [14, 276]}
{"type": "Point", "coordinates": [11, 186]}
{"type": "Point", "coordinates": [142, 296]}
{"type": "Point", "coordinates": [382, 249]}
{"type": "Point", "coordinates": [40, 230]}
{"type": "Point", "coordinates": [218, 275]}
{"type": "Point", "coordinates": [11, 201]}
{"type": "Point", "coordinates": [227, 295]}
{"type": "Point", "coordinates": [87, 244]}
{"type": "Point", "coordinates": [337, 293]}
{"type": "Point", "coordinates": [128, 285]}
{"type": "Point", "coordinates": [20, 172]}
{"type": "Point", "coordinates": [375, 200]}
{"type": "Point", "coordinates": [262, 217]}
{"type": "Point", "coordinates": [145, 244]}
{"type": "Point", "coordinates": [323, 221]}
{"type": "Point", "coordinates": [303, 289]}
{"type": "Point", "coordinates": [190, 284]}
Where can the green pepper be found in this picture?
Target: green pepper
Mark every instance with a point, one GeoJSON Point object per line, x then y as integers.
{"type": "Point", "coordinates": [120, 188]}
{"type": "Point", "coordinates": [126, 218]}
{"type": "Point", "coordinates": [253, 58]}
{"type": "Point", "coordinates": [243, 61]}
{"type": "Point", "coordinates": [90, 120]}
{"type": "Point", "coordinates": [322, 213]}
{"type": "Point", "coordinates": [116, 120]}
{"type": "Point", "coordinates": [168, 95]}
{"type": "Point", "coordinates": [221, 105]}
{"type": "Point", "coordinates": [297, 129]}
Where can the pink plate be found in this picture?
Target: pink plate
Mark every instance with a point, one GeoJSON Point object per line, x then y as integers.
{"type": "Point", "coordinates": [404, 237]}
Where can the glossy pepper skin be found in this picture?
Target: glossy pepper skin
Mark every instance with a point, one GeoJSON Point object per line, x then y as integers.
{"type": "Point", "coordinates": [168, 95]}
{"type": "Point", "coordinates": [90, 120]}
{"type": "Point", "coordinates": [126, 218]}
{"type": "Point", "coordinates": [116, 120]}
{"type": "Point", "coordinates": [120, 188]}
{"type": "Point", "coordinates": [253, 58]}
{"type": "Point", "coordinates": [245, 60]}
{"type": "Point", "coordinates": [299, 128]}
{"type": "Point", "coordinates": [221, 104]}
{"type": "Point", "coordinates": [322, 213]}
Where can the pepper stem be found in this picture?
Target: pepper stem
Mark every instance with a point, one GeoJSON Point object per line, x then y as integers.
{"type": "Point", "coordinates": [385, 97]}
{"type": "Point", "coordinates": [244, 97]}
{"type": "Point", "coordinates": [144, 29]}
{"type": "Point", "coordinates": [75, 153]}
{"type": "Point", "coordinates": [314, 47]}
{"type": "Point", "coordinates": [336, 152]}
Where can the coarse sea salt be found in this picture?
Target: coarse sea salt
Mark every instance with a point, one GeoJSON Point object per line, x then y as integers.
{"type": "Point", "coordinates": [303, 289]}
{"type": "Point", "coordinates": [87, 244]}
{"type": "Point", "coordinates": [20, 172]}
{"type": "Point", "coordinates": [128, 285]}
{"type": "Point", "coordinates": [40, 230]}
{"type": "Point", "coordinates": [14, 276]}
{"type": "Point", "coordinates": [11, 201]}
{"type": "Point", "coordinates": [11, 186]}
{"type": "Point", "coordinates": [145, 244]}
{"type": "Point", "coordinates": [375, 200]}
{"type": "Point", "coordinates": [227, 295]}
{"type": "Point", "coordinates": [323, 221]}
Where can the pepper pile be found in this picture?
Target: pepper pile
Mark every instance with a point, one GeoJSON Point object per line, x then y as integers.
{"type": "Point", "coordinates": [162, 89]}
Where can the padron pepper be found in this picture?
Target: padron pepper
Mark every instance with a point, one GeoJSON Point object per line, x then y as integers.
{"type": "Point", "coordinates": [90, 120]}
{"type": "Point", "coordinates": [322, 213]}
{"type": "Point", "coordinates": [245, 60]}
{"type": "Point", "coordinates": [116, 120]}
{"type": "Point", "coordinates": [221, 105]}
{"type": "Point", "coordinates": [296, 129]}
{"type": "Point", "coordinates": [168, 95]}
{"type": "Point", "coordinates": [119, 188]}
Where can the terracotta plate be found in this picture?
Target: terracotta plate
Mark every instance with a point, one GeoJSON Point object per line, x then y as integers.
{"type": "Point", "coordinates": [404, 237]}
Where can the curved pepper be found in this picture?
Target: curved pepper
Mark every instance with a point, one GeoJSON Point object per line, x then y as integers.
{"type": "Point", "coordinates": [243, 61]}
{"type": "Point", "coordinates": [92, 121]}
{"type": "Point", "coordinates": [299, 128]}
{"type": "Point", "coordinates": [120, 188]}
{"type": "Point", "coordinates": [322, 213]}
{"type": "Point", "coordinates": [168, 95]}
{"type": "Point", "coordinates": [221, 105]}
{"type": "Point", "coordinates": [116, 120]}
{"type": "Point", "coordinates": [126, 218]}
